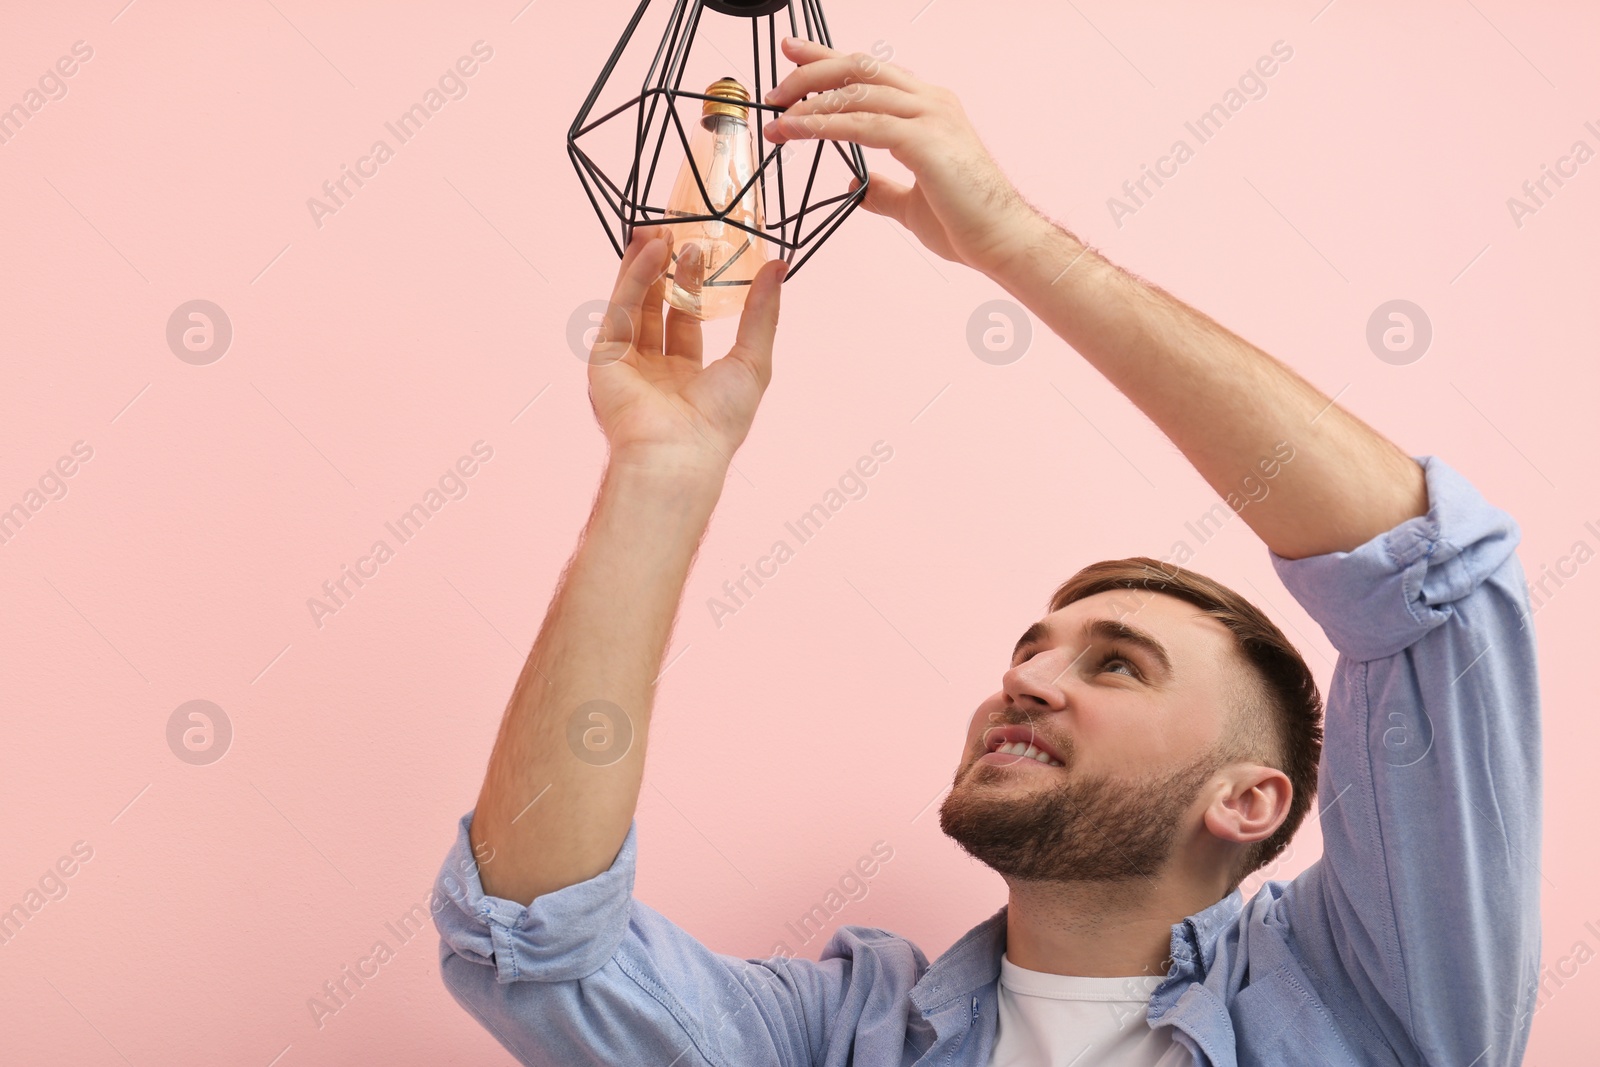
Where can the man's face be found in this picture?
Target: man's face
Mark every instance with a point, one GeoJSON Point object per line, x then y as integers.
{"type": "Point", "coordinates": [1138, 731]}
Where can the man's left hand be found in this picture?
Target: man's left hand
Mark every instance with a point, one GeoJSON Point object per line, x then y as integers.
{"type": "Point", "coordinates": [961, 206]}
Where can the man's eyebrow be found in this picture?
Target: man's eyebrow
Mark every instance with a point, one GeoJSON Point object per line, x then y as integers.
{"type": "Point", "coordinates": [1105, 630]}
{"type": "Point", "coordinates": [1033, 635]}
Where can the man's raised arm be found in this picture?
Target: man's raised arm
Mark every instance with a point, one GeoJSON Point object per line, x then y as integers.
{"type": "Point", "coordinates": [1225, 403]}
{"type": "Point", "coordinates": [564, 778]}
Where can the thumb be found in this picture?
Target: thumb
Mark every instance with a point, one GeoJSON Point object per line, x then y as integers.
{"type": "Point", "coordinates": [884, 196]}
{"type": "Point", "coordinates": [758, 324]}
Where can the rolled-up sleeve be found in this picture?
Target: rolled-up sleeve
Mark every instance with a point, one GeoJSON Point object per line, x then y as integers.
{"type": "Point", "coordinates": [564, 935]}
{"type": "Point", "coordinates": [1425, 905]}
{"type": "Point", "coordinates": [590, 975]}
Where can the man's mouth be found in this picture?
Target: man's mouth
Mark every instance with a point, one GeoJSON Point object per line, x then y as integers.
{"type": "Point", "coordinates": [1017, 752]}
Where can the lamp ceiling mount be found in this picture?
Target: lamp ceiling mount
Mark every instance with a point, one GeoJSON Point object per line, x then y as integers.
{"type": "Point", "coordinates": [748, 8]}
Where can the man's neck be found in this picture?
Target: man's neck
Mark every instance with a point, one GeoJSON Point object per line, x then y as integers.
{"type": "Point", "coordinates": [1096, 929]}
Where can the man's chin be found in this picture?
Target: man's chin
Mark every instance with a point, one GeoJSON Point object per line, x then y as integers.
{"type": "Point", "coordinates": [1001, 774]}
{"type": "Point", "coordinates": [1076, 829]}
{"type": "Point", "coordinates": [985, 797]}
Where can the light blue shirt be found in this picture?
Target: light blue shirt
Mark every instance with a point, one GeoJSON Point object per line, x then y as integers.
{"type": "Point", "coordinates": [1413, 940]}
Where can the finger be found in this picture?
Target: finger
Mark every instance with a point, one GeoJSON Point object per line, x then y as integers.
{"type": "Point", "coordinates": [684, 334]}
{"type": "Point", "coordinates": [865, 128]}
{"type": "Point", "coordinates": [758, 325]}
{"type": "Point", "coordinates": [650, 325]}
{"type": "Point", "coordinates": [804, 49]}
{"type": "Point", "coordinates": [641, 265]}
{"type": "Point", "coordinates": [824, 68]}
{"type": "Point", "coordinates": [837, 73]}
{"type": "Point", "coordinates": [885, 196]}
{"type": "Point", "coordinates": [642, 235]}
{"type": "Point", "coordinates": [863, 96]}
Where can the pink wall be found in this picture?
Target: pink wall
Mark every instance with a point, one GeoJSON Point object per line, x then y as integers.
{"type": "Point", "coordinates": [370, 352]}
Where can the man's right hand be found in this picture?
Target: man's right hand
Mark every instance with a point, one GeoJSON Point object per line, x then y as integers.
{"type": "Point", "coordinates": [656, 401]}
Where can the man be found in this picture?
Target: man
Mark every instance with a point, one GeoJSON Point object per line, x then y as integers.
{"type": "Point", "coordinates": [1155, 738]}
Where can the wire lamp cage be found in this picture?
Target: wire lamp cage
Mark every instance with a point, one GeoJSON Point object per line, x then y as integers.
{"type": "Point", "coordinates": [652, 138]}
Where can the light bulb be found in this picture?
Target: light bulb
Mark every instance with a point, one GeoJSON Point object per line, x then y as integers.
{"type": "Point", "coordinates": [723, 148]}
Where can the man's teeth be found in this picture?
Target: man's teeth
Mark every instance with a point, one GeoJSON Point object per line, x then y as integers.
{"type": "Point", "coordinates": [1017, 748]}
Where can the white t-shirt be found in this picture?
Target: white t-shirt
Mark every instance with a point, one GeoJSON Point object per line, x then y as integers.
{"type": "Point", "coordinates": [1059, 1020]}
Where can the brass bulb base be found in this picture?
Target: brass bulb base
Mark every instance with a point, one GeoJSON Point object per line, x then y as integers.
{"type": "Point", "coordinates": [726, 87]}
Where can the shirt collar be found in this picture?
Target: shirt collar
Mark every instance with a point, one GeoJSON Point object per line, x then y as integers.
{"type": "Point", "coordinates": [974, 961]}
{"type": "Point", "coordinates": [1194, 948]}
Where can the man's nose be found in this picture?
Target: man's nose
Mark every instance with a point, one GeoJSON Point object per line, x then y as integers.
{"type": "Point", "coordinates": [1035, 684]}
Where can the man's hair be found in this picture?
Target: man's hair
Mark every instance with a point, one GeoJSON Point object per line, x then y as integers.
{"type": "Point", "coordinates": [1281, 702]}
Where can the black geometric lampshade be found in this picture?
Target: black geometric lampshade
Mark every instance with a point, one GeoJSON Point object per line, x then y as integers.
{"type": "Point", "coordinates": [629, 156]}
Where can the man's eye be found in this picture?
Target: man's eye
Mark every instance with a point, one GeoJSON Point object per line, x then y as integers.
{"type": "Point", "coordinates": [1104, 662]}
{"type": "Point", "coordinates": [1133, 672]}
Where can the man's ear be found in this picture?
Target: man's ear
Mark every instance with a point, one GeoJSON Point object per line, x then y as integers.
{"type": "Point", "coordinates": [1252, 807]}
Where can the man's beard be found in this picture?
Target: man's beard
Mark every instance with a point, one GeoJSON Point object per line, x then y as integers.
{"type": "Point", "coordinates": [1096, 829]}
